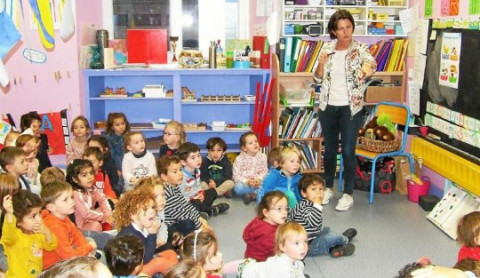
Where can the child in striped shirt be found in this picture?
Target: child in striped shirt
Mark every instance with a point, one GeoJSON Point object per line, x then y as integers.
{"type": "Point", "coordinates": [308, 213]}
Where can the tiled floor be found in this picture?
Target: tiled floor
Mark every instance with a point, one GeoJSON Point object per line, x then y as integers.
{"type": "Point", "coordinates": [391, 233]}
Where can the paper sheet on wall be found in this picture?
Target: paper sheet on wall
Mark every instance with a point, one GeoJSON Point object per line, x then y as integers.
{"type": "Point", "coordinates": [422, 36]}
{"type": "Point", "coordinates": [428, 10]}
{"type": "Point", "coordinates": [409, 18]}
{"type": "Point", "coordinates": [264, 7]}
{"type": "Point", "coordinates": [474, 7]}
{"type": "Point", "coordinates": [450, 59]}
{"type": "Point", "coordinates": [414, 97]}
{"type": "Point", "coordinates": [419, 69]}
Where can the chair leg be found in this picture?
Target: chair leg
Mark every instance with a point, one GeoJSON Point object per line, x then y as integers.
{"type": "Point", "coordinates": [372, 179]}
{"type": "Point", "coordinates": [411, 161]}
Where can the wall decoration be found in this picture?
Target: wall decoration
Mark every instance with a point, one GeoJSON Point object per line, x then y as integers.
{"type": "Point", "coordinates": [55, 126]}
{"type": "Point", "coordinates": [450, 60]}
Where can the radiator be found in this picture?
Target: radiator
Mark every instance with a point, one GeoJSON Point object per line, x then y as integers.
{"type": "Point", "coordinates": [453, 167]}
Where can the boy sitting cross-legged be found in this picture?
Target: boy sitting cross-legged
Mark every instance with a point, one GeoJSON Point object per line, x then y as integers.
{"type": "Point", "coordinates": [58, 197]}
{"type": "Point", "coordinates": [180, 215]}
{"type": "Point", "coordinates": [308, 213]}
{"type": "Point", "coordinates": [191, 187]}
{"type": "Point", "coordinates": [13, 161]}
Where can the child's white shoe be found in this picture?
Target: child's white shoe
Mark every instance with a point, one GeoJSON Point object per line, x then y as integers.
{"type": "Point", "coordinates": [327, 196]}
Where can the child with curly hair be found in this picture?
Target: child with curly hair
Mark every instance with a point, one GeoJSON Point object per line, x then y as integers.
{"type": "Point", "coordinates": [468, 234]}
{"type": "Point", "coordinates": [136, 214]}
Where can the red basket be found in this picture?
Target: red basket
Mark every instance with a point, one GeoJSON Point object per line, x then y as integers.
{"type": "Point", "coordinates": [416, 190]}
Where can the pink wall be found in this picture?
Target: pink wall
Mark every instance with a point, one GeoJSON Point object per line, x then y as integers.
{"type": "Point", "coordinates": [47, 94]}
{"type": "Point", "coordinates": [436, 179]}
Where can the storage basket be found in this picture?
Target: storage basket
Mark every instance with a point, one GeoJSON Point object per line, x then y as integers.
{"type": "Point", "coordinates": [416, 190]}
{"type": "Point", "coordinates": [379, 146]}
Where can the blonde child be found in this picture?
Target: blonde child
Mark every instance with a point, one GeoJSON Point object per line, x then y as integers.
{"type": "Point", "coordinates": [157, 187]}
{"type": "Point", "coordinates": [285, 178]}
{"type": "Point", "coordinates": [109, 166]}
{"type": "Point", "coordinates": [202, 247]}
{"type": "Point", "coordinates": [173, 136]}
{"type": "Point", "coordinates": [290, 249]}
{"type": "Point", "coordinates": [80, 130]}
{"type": "Point", "coordinates": [135, 214]}
{"type": "Point", "coordinates": [11, 138]}
{"type": "Point", "coordinates": [31, 123]}
{"type": "Point", "coordinates": [80, 175]}
{"type": "Point", "coordinates": [468, 235]}
{"type": "Point", "coordinates": [259, 234]}
{"type": "Point", "coordinates": [117, 127]}
{"type": "Point", "coordinates": [102, 182]}
{"type": "Point", "coordinates": [180, 215]}
{"type": "Point", "coordinates": [29, 144]}
{"type": "Point", "coordinates": [308, 213]}
{"type": "Point", "coordinates": [23, 230]}
{"type": "Point", "coordinates": [250, 168]}
{"type": "Point", "coordinates": [216, 170]}
{"type": "Point", "coordinates": [138, 162]}
{"type": "Point", "coordinates": [59, 204]}
{"type": "Point", "coordinates": [186, 269]}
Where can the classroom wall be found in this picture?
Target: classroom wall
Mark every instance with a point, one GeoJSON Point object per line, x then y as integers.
{"type": "Point", "coordinates": [437, 181]}
{"type": "Point", "coordinates": [48, 94]}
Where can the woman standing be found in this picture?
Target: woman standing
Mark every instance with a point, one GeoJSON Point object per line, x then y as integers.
{"type": "Point", "coordinates": [343, 66]}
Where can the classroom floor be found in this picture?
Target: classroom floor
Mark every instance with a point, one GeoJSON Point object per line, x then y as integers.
{"type": "Point", "coordinates": [392, 232]}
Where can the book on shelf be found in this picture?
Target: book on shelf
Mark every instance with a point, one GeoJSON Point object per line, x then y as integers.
{"type": "Point", "coordinates": [288, 53]}
{"type": "Point", "coordinates": [298, 122]}
{"type": "Point", "coordinates": [296, 46]}
{"type": "Point", "coordinates": [281, 52]}
{"type": "Point", "coordinates": [389, 54]}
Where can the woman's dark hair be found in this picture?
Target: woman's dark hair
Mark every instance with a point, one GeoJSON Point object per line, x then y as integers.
{"type": "Point", "coordinates": [333, 22]}
{"type": "Point", "coordinates": [74, 169]}
{"type": "Point", "coordinates": [23, 202]}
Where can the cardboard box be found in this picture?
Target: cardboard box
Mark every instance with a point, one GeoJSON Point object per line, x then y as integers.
{"type": "Point", "coordinates": [377, 93]}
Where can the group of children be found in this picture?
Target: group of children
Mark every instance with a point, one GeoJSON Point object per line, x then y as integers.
{"type": "Point", "coordinates": [149, 215]}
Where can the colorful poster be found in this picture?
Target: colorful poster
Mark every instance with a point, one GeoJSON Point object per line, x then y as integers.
{"type": "Point", "coordinates": [474, 7]}
{"type": "Point", "coordinates": [450, 59]}
{"type": "Point", "coordinates": [454, 7]}
{"type": "Point", "coordinates": [428, 8]}
{"type": "Point", "coordinates": [55, 126]}
{"type": "Point", "coordinates": [445, 7]}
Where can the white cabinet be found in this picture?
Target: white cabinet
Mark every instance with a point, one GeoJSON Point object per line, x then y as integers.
{"type": "Point", "coordinates": [372, 17]}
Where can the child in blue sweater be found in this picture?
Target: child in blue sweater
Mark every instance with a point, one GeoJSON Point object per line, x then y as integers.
{"type": "Point", "coordinates": [285, 178]}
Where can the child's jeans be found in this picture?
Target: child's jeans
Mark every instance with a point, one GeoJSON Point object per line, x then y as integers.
{"type": "Point", "coordinates": [242, 188]}
{"type": "Point", "coordinates": [322, 243]}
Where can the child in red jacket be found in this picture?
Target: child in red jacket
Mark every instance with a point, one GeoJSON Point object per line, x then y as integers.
{"type": "Point", "coordinates": [259, 234]}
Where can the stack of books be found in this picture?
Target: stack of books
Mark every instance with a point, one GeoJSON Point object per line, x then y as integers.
{"type": "Point", "coordinates": [299, 123]}
{"type": "Point", "coordinates": [297, 55]}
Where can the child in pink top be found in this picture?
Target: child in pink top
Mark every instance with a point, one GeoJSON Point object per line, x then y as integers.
{"type": "Point", "coordinates": [249, 168]}
{"type": "Point", "coordinates": [80, 130]}
{"type": "Point", "coordinates": [87, 217]}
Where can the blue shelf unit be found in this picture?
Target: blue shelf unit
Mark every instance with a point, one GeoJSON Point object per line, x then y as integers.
{"type": "Point", "coordinates": [206, 82]}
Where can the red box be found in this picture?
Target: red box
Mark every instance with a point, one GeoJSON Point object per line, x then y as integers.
{"type": "Point", "coordinates": [259, 44]}
{"type": "Point", "coordinates": [147, 46]}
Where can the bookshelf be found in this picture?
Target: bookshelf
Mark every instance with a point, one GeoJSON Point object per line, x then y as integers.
{"type": "Point", "coordinates": [373, 95]}
{"type": "Point", "coordinates": [372, 17]}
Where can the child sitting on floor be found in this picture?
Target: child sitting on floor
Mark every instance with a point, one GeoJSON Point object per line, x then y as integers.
{"type": "Point", "coordinates": [250, 168]}
{"type": "Point", "coordinates": [216, 170]}
{"type": "Point", "coordinates": [173, 136]}
{"type": "Point", "coordinates": [108, 163]}
{"type": "Point", "coordinates": [290, 249]}
{"type": "Point", "coordinates": [138, 162]}
{"type": "Point", "coordinates": [80, 130]}
{"type": "Point", "coordinates": [308, 212]}
{"type": "Point", "coordinates": [124, 255]}
{"type": "Point", "coordinates": [468, 232]}
{"type": "Point", "coordinates": [259, 234]}
{"type": "Point", "coordinates": [202, 247]}
{"type": "Point", "coordinates": [102, 181]}
{"type": "Point", "coordinates": [285, 178]}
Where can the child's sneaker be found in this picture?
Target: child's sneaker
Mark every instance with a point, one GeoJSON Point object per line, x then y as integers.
{"type": "Point", "coordinates": [342, 250]}
{"type": "Point", "coordinates": [345, 203]}
{"type": "Point", "coordinates": [219, 208]}
{"type": "Point", "coordinates": [350, 234]}
{"type": "Point", "coordinates": [327, 196]}
{"type": "Point", "coordinates": [247, 198]}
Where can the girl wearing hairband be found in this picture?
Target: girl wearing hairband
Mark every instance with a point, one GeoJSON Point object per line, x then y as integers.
{"type": "Point", "coordinates": [202, 247]}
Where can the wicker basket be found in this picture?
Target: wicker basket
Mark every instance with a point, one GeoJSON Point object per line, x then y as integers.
{"type": "Point", "coordinates": [379, 146]}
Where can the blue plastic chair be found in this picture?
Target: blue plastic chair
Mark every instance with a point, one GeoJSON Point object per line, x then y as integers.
{"type": "Point", "coordinates": [400, 115]}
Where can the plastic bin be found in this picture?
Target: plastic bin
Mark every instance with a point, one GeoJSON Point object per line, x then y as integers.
{"type": "Point", "coordinates": [416, 190]}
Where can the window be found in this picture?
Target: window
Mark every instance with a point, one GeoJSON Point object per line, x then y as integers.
{"type": "Point", "coordinates": [196, 22]}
